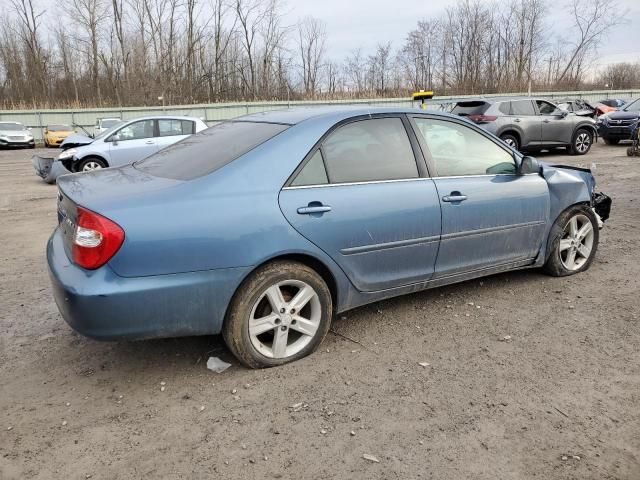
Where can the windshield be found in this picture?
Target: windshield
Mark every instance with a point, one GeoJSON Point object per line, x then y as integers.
{"type": "Point", "coordinates": [633, 106]}
{"type": "Point", "coordinates": [110, 130]}
{"type": "Point", "coordinates": [208, 150]}
{"type": "Point", "coordinates": [59, 128]}
{"type": "Point", "coordinates": [14, 127]}
{"type": "Point", "coordinates": [108, 123]}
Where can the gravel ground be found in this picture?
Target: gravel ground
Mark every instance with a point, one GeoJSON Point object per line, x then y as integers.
{"type": "Point", "coordinates": [558, 400]}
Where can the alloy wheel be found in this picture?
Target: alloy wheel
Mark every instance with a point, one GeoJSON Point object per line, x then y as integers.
{"type": "Point", "coordinates": [583, 142]}
{"type": "Point", "coordinates": [576, 242]}
{"type": "Point", "coordinates": [91, 165]}
{"type": "Point", "coordinates": [284, 319]}
{"type": "Point", "coordinates": [511, 142]}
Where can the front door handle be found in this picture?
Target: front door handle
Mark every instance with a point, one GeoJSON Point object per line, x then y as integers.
{"type": "Point", "coordinates": [454, 197]}
{"type": "Point", "coordinates": [314, 207]}
{"type": "Point", "coordinates": [546, 120]}
{"type": "Point", "coordinates": [149, 142]}
{"type": "Point", "coordinates": [517, 120]}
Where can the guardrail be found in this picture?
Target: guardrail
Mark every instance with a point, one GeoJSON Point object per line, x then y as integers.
{"type": "Point", "coordinates": [215, 112]}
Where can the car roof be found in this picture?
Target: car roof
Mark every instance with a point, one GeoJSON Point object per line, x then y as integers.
{"type": "Point", "coordinates": [502, 99]}
{"type": "Point", "coordinates": [295, 115]}
{"type": "Point", "coordinates": [157, 117]}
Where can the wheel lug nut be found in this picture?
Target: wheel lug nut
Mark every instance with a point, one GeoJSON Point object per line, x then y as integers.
{"type": "Point", "coordinates": [282, 310]}
{"type": "Point", "coordinates": [293, 322]}
{"type": "Point", "coordinates": [277, 321]}
{"type": "Point", "coordinates": [283, 328]}
{"type": "Point", "coordinates": [293, 310]}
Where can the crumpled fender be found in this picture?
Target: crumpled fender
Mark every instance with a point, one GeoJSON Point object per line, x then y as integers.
{"type": "Point", "coordinates": [567, 186]}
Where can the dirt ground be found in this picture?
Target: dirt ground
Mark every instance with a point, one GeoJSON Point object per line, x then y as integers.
{"type": "Point", "coordinates": [559, 400]}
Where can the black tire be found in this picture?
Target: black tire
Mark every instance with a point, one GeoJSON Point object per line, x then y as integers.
{"type": "Point", "coordinates": [84, 162]}
{"type": "Point", "coordinates": [235, 330]}
{"type": "Point", "coordinates": [555, 265]}
{"type": "Point", "coordinates": [611, 141]}
{"type": "Point", "coordinates": [510, 140]}
{"type": "Point", "coordinates": [581, 142]}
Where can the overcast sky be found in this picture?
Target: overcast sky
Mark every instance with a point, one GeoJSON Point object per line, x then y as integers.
{"type": "Point", "coordinates": [353, 23]}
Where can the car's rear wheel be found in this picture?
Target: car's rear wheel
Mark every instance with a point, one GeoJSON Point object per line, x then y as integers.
{"type": "Point", "coordinates": [510, 140]}
{"type": "Point", "coordinates": [573, 242]}
{"type": "Point", "coordinates": [582, 141]}
{"type": "Point", "coordinates": [279, 314]}
{"type": "Point", "coordinates": [611, 141]}
{"type": "Point", "coordinates": [90, 164]}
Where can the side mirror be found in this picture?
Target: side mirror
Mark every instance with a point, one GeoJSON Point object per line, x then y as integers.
{"type": "Point", "coordinates": [528, 165]}
{"type": "Point", "coordinates": [115, 139]}
{"type": "Point", "coordinates": [562, 113]}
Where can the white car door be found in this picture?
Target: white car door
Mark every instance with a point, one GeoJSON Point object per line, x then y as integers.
{"type": "Point", "coordinates": [132, 142]}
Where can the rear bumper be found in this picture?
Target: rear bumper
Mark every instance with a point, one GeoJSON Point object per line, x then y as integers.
{"type": "Point", "coordinates": [102, 305]}
{"type": "Point", "coordinates": [48, 168]}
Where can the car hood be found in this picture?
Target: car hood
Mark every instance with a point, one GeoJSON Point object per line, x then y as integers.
{"type": "Point", "coordinates": [6, 133]}
{"type": "Point", "coordinates": [77, 139]}
{"type": "Point", "coordinates": [622, 115]}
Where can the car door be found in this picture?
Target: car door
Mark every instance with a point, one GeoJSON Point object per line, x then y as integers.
{"type": "Point", "coordinates": [364, 198]}
{"type": "Point", "coordinates": [490, 215]}
{"type": "Point", "coordinates": [525, 119]}
{"type": "Point", "coordinates": [172, 130]}
{"type": "Point", "coordinates": [132, 142]}
{"type": "Point", "coordinates": [557, 126]}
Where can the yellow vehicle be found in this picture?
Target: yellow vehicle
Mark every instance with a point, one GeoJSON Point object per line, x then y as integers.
{"type": "Point", "coordinates": [55, 134]}
{"type": "Point", "coordinates": [422, 95]}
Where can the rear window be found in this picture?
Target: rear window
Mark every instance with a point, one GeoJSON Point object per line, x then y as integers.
{"type": "Point", "coordinates": [470, 108]}
{"type": "Point", "coordinates": [209, 150]}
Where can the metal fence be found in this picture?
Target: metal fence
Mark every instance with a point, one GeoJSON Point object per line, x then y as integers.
{"type": "Point", "coordinates": [215, 112]}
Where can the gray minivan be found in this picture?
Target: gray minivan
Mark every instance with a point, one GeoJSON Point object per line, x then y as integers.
{"type": "Point", "coordinates": [530, 123]}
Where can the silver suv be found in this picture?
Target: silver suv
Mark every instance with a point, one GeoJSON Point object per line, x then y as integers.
{"type": "Point", "coordinates": [530, 123]}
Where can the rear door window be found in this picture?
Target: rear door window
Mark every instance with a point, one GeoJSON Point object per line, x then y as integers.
{"type": "Point", "coordinates": [208, 150]}
{"type": "Point", "coordinates": [313, 173]}
{"type": "Point", "coordinates": [522, 107]}
{"type": "Point", "coordinates": [369, 150]}
{"type": "Point", "coordinates": [171, 127]}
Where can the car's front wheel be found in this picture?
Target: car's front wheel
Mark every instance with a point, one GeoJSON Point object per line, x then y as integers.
{"type": "Point", "coordinates": [573, 242]}
{"type": "Point", "coordinates": [90, 164]}
{"type": "Point", "coordinates": [279, 314]}
{"type": "Point", "coordinates": [582, 141]}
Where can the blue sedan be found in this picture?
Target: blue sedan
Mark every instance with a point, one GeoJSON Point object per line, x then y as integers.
{"type": "Point", "coordinates": [265, 227]}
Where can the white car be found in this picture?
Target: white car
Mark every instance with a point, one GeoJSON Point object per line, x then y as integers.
{"type": "Point", "coordinates": [123, 144]}
{"type": "Point", "coordinates": [104, 124]}
{"type": "Point", "coordinates": [15, 134]}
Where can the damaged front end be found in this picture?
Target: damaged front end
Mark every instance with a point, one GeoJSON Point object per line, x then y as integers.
{"type": "Point", "coordinates": [49, 168]}
{"type": "Point", "coordinates": [569, 185]}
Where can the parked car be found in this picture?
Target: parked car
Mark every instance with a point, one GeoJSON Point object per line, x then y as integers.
{"type": "Point", "coordinates": [616, 126]}
{"type": "Point", "coordinates": [124, 143]}
{"type": "Point", "coordinates": [104, 124]}
{"type": "Point", "coordinates": [614, 102]}
{"type": "Point", "coordinates": [263, 228]}
{"type": "Point", "coordinates": [578, 106]}
{"type": "Point", "coordinates": [530, 124]}
{"type": "Point", "coordinates": [54, 135]}
{"type": "Point", "coordinates": [15, 134]}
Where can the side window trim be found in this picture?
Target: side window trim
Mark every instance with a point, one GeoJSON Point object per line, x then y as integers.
{"type": "Point", "coordinates": [422, 169]}
{"type": "Point", "coordinates": [427, 153]}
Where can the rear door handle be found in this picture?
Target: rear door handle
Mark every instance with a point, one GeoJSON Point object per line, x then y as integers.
{"type": "Point", "coordinates": [546, 121]}
{"type": "Point", "coordinates": [454, 197]}
{"type": "Point", "coordinates": [314, 209]}
{"type": "Point", "coordinates": [517, 120]}
{"type": "Point", "coordinates": [149, 142]}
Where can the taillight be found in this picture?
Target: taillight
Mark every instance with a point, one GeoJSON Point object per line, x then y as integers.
{"type": "Point", "coordinates": [482, 118]}
{"type": "Point", "coordinates": [95, 240]}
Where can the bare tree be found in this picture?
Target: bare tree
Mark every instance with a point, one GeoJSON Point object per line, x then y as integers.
{"type": "Point", "coordinates": [312, 36]}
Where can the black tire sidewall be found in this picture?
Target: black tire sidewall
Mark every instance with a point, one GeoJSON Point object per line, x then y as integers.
{"type": "Point", "coordinates": [574, 150]}
{"type": "Point", "coordinates": [235, 330]}
{"type": "Point", "coordinates": [504, 136]}
{"type": "Point", "coordinates": [84, 161]}
{"type": "Point", "coordinates": [553, 266]}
